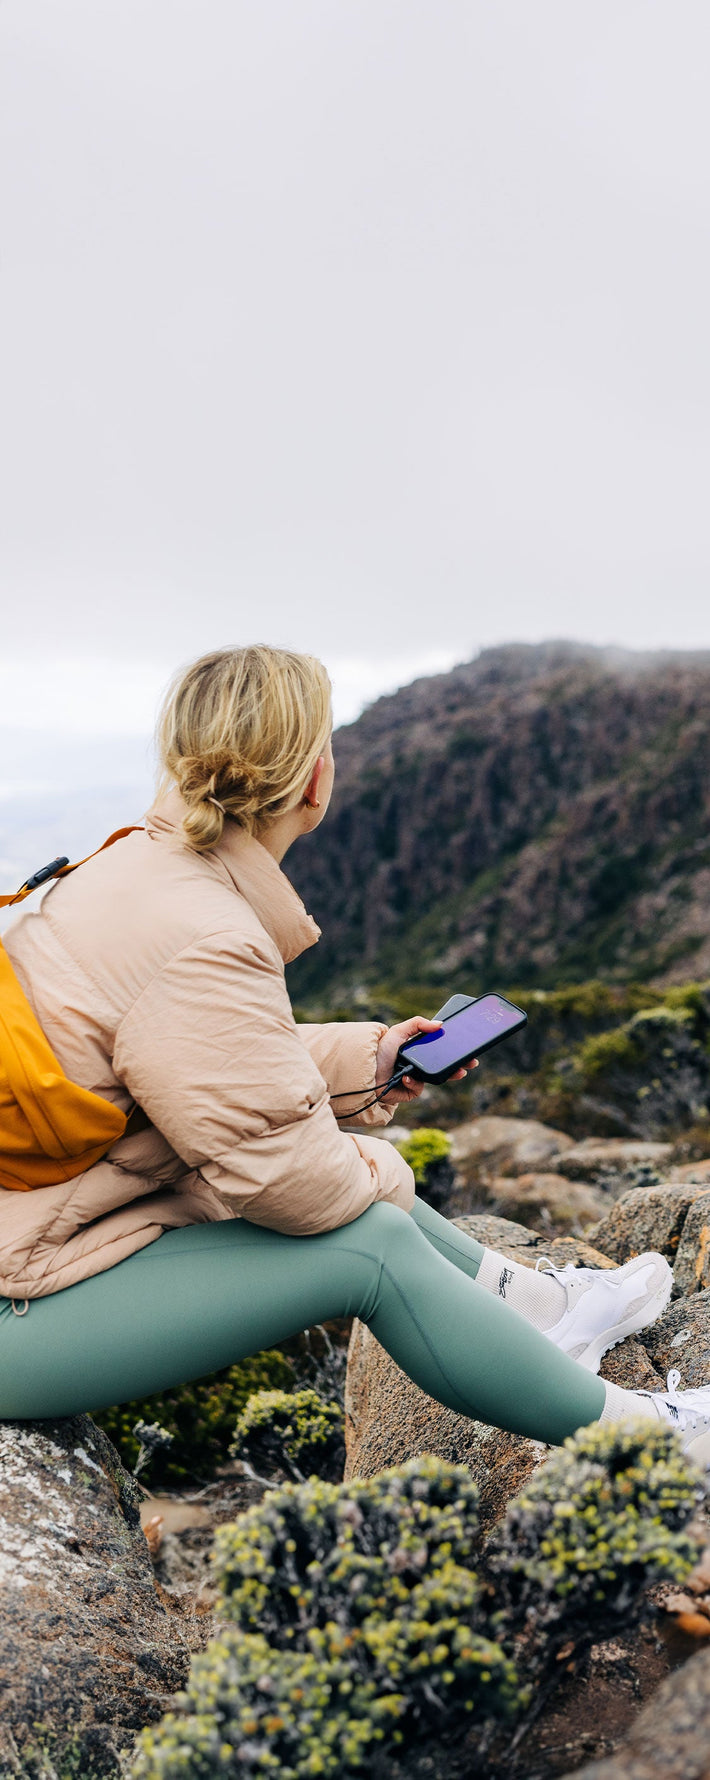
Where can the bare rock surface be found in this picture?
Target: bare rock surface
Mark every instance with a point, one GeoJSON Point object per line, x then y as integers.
{"type": "Point", "coordinates": [692, 1262]}
{"type": "Point", "coordinates": [615, 1164]}
{"type": "Point", "coordinates": [696, 1172]}
{"type": "Point", "coordinates": [669, 1738]}
{"type": "Point", "coordinates": [89, 1647]}
{"type": "Point", "coordinates": [647, 1218]}
{"type": "Point", "coordinates": [493, 1145]}
{"type": "Point", "coordinates": [681, 1340]}
{"type": "Point", "coordinates": [547, 1202]}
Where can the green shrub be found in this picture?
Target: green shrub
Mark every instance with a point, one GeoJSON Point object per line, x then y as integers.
{"type": "Point", "coordinates": [297, 1431]}
{"type": "Point", "coordinates": [603, 1519]}
{"type": "Point", "coordinates": [359, 1626]}
{"type": "Point", "coordinates": [372, 1630]}
{"type": "Point", "coordinates": [200, 1416]}
{"type": "Point", "coordinates": [285, 1564]}
{"type": "Point", "coordinates": [422, 1149]}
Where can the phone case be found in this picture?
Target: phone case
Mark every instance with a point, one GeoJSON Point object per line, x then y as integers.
{"type": "Point", "coordinates": [454, 1005]}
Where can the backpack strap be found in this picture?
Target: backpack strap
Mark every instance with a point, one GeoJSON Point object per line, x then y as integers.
{"type": "Point", "coordinates": [59, 868]}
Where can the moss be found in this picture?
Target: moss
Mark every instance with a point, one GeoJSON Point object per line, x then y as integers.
{"type": "Point", "coordinates": [626, 1045]}
{"type": "Point", "coordinates": [605, 1049]}
{"type": "Point", "coordinates": [200, 1416]}
{"type": "Point", "coordinates": [298, 1431]}
{"type": "Point", "coordinates": [426, 1147]}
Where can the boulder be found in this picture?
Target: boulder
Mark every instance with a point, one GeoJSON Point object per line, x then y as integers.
{"type": "Point", "coordinates": [616, 1163]}
{"type": "Point", "coordinates": [546, 1202]}
{"type": "Point", "coordinates": [89, 1646]}
{"type": "Point", "coordinates": [388, 1419]}
{"type": "Point", "coordinates": [669, 1738]}
{"type": "Point", "coordinates": [692, 1262]}
{"type": "Point", "coordinates": [696, 1172]}
{"type": "Point", "coordinates": [647, 1218]}
{"type": "Point", "coordinates": [681, 1339]}
{"type": "Point", "coordinates": [489, 1146]}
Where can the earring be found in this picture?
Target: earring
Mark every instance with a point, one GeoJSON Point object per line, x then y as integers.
{"type": "Point", "coordinates": [312, 803]}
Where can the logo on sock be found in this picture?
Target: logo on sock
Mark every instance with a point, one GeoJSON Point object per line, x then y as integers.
{"type": "Point", "coordinates": [505, 1279]}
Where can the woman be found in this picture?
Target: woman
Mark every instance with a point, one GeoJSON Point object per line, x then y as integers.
{"type": "Point", "coordinates": [234, 1211]}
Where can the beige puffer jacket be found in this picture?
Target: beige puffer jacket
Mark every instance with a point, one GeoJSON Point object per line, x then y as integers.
{"type": "Point", "coordinates": [157, 975]}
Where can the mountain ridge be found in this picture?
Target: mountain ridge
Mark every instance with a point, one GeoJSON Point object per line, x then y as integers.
{"type": "Point", "coordinates": [540, 814]}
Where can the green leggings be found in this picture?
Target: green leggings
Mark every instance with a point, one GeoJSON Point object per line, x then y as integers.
{"type": "Point", "coordinates": [205, 1296]}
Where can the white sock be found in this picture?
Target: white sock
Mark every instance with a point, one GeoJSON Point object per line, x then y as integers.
{"type": "Point", "coordinates": [626, 1406]}
{"type": "Point", "coordinates": [537, 1296]}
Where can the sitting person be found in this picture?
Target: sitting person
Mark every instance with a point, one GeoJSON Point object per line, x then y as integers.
{"type": "Point", "coordinates": [234, 1211]}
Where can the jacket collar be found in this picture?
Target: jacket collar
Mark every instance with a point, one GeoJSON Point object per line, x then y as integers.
{"type": "Point", "coordinates": [252, 870]}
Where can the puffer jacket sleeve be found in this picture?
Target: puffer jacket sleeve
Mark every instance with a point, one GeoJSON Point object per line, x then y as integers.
{"type": "Point", "coordinates": [346, 1055]}
{"type": "Point", "coordinates": [211, 1052]}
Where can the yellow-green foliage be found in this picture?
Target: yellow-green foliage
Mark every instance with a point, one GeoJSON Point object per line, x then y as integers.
{"type": "Point", "coordinates": [372, 1634]}
{"type": "Point", "coordinates": [289, 1562]}
{"type": "Point", "coordinates": [625, 1045]}
{"type": "Point", "coordinates": [200, 1416]}
{"type": "Point", "coordinates": [297, 1430]}
{"type": "Point", "coordinates": [604, 1518]}
{"type": "Point", "coordinates": [423, 1149]}
{"type": "Point", "coordinates": [359, 1624]}
{"type": "Point", "coordinates": [324, 1710]}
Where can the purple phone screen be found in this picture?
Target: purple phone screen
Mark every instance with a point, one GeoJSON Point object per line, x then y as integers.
{"type": "Point", "coordinates": [459, 1037]}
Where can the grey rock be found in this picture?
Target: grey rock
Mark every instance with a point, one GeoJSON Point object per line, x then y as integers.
{"type": "Point", "coordinates": [692, 1262]}
{"type": "Point", "coordinates": [681, 1339]}
{"type": "Point", "coordinates": [89, 1647]}
{"type": "Point", "coordinates": [549, 1203]}
{"type": "Point", "coordinates": [646, 1218]}
{"type": "Point", "coordinates": [491, 1145]}
{"type": "Point", "coordinates": [696, 1172]}
{"type": "Point", "coordinates": [616, 1163]}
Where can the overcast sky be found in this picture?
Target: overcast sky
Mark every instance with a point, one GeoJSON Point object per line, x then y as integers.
{"type": "Point", "coordinates": [374, 327]}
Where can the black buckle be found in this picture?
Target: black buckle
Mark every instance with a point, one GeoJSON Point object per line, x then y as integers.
{"type": "Point", "coordinates": [45, 872]}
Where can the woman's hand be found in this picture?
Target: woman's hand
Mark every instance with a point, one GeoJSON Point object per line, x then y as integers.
{"type": "Point", "coordinates": [390, 1044]}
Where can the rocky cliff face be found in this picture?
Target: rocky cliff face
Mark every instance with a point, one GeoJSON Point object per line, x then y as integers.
{"type": "Point", "coordinates": [541, 814]}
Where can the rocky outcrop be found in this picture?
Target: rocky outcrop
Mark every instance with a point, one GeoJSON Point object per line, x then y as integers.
{"type": "Point", "coordinates": [89, 1647]}
{"type": "Point", "coordinates": [615, 1163]}
{"type": "Point", "coordinates": [489, 1146]}
{"type": "Point", "coordinates": [547, 1202]}
{"type": "Point", "coordinates": [655, 1218]}
{"type": "Point", "coordinates": [463, 842]}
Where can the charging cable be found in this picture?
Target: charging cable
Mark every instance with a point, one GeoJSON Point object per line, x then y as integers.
{"type": "Point", "coordinates": [393, 1082]}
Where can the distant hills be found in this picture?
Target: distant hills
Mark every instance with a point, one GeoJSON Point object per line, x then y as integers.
{"type": "Point", "coordinates": [540, 815]}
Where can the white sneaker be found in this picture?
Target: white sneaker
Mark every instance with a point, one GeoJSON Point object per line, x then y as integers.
{"type": "Point", "coordinates": [605, 1305]}
{"type": "Point", "coordinates": [689, 1412]}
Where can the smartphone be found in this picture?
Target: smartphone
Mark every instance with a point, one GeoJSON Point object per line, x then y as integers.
{"type": "Point", "coordinates": [467, 1032]}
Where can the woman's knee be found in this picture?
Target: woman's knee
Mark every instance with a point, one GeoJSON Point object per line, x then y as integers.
{"type": "Point", "coordinates": [385, 1224]}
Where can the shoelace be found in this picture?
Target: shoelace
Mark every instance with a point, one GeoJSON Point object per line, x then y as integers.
{"type": "Point", "coordinates": [569, 1272]}
{"type": "Point", "coordinates": [683, 1414]}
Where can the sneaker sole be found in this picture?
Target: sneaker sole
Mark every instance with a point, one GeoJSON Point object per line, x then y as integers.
{"type": "Point", "coordinates": [592, 1355]}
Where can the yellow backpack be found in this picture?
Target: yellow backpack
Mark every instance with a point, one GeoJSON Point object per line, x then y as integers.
{"type": "Point", "coordinates": [50, 1129]}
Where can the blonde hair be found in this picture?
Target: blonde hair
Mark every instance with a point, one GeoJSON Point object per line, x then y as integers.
{"type": "Point", "coordinates": [242, 728]}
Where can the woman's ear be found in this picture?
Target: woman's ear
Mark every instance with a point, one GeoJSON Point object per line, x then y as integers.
{"type": "Point", "coordinates": [310, 795]}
